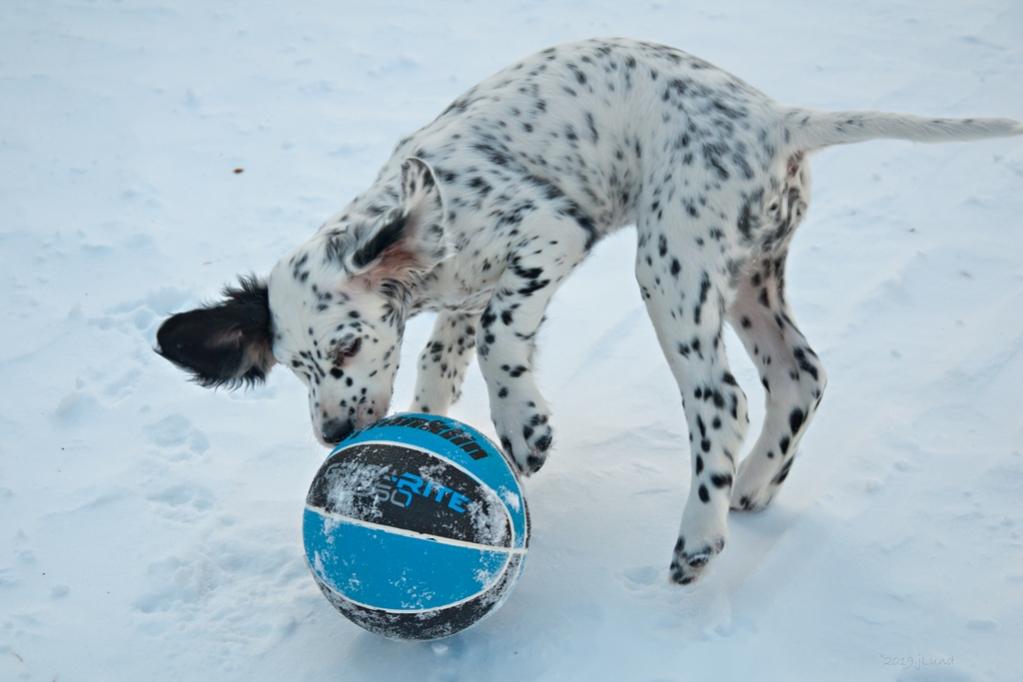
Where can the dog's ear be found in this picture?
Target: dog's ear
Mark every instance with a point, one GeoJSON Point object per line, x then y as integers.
{"type": "Point", "coordinates": [412, 236]}
{"type": "Point", "coordinates": [225, 344]}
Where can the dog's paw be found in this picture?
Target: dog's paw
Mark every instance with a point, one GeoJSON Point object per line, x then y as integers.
{"type": "Point", "coordinates": [752, 501]}
{"type": "Point", "coordinates": [701, 538]}
{"type": "Point", "coordinates": [525, 432]}
{"type": "Point", "coordinates": [433, 394]}
{"type": "Point", "coordinates": [428, 407]}
{"type": "Point", "coordinates": [755, 485]}
{"type": "Point", "coordinates": [690, 560]}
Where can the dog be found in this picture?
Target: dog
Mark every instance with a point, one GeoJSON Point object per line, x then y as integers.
{"type": "Point", "coordinates": [482, 213]}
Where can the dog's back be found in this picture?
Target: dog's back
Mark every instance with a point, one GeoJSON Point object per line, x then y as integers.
{"type": "Point", "coordinates": [600, 119]}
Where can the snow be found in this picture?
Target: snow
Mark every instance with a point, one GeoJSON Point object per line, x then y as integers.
{"type": "Point", "coordinates": [150, 529]}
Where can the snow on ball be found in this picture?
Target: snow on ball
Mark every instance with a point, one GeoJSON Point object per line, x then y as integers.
{"type": "Point", "coordinates": [416, 527]}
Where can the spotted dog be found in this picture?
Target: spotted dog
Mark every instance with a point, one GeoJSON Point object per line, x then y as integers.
{"type": "Point", "coordinates": [482, 213]}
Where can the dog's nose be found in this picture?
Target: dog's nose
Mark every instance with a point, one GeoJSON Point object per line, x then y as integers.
{"type": "Point", "coordinates": [336, 430]}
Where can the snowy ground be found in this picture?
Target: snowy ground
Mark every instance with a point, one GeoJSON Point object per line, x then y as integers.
{"type": "Point", "coordinates": [149, 529]}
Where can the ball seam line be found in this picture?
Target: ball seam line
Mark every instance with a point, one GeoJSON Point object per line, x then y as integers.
{"type": "Point", "coordinates": [414, 534]}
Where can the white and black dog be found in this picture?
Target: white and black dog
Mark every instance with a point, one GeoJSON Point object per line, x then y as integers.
{"type": "Point", "coordinates": [482, 213]}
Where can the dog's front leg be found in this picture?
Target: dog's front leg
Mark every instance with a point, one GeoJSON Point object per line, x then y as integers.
{"type": "Point", "coordinates": [443, 362]}
{"type": "Point", "coordinates": [508, 329]}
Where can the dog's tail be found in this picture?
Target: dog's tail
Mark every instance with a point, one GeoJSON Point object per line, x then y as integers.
{"type": "Point", "coordinates": [810, 130]}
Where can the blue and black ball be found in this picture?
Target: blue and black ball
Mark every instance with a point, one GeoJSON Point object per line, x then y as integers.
{"type": "Point", "coordinates": [416, 527]}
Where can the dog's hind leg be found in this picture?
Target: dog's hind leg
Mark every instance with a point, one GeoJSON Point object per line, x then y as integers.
{"type": "Point", "coordinates": [791, 374]}
{"type": "Point", "coordinates": [443, 362]}
{"type": "Point", "coordinates": [686, 291]}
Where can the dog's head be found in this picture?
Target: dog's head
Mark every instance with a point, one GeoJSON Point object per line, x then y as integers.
{"type": "Point", "coordinates": [333, 311]}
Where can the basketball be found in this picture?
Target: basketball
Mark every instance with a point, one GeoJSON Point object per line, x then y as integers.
{"type": "Point", "coordinates": [416, 527]}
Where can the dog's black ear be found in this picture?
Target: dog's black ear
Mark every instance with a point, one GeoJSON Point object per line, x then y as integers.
{"type": "Point", "coordinates": [225, 344]}
{"type": "Point", "coordinates": [412, 236]}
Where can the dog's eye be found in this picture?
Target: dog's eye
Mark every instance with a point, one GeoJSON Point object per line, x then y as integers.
{"type": "Point", "coordinates": [347, 349]}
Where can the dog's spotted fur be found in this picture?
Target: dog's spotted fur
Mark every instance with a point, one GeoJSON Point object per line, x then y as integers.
{"type": "Point", "coordinates": [482, 213]}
